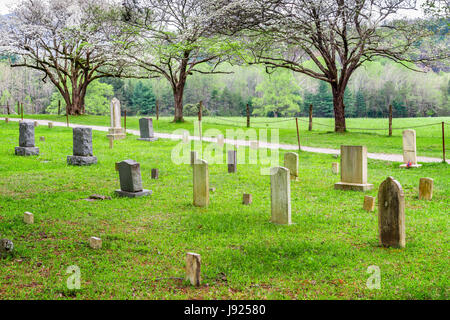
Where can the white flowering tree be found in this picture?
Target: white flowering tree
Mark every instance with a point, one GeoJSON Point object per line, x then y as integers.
{"type": "Point", "coordinates": [63, 41]}
{"type": "Point", "coordinates": [325, 39]}
{"type": "Point", "coordinates": [172, 40]}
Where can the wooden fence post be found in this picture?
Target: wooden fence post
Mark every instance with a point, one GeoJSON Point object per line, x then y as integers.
{"type": "Point", "coordinates": [310, 117]}
{"type": "Point", "coordinates": [298, 136]}
{"type": "Point", "coordinates": [157, 110]}
{"type": "Point", "coordinates": [248, 116]}
{"type": "Point", "coordinates": [443, 142]}
{"type": "Point", "coordinates": [390, 120]}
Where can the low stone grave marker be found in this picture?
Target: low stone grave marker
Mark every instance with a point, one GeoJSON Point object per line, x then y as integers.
{"type": "Point", "coordinates": [193, 268]}
{"type": "Point", "coordinates": [146, 129]}
{"type": "Point", "coordinates": [247, 198]}
{"type": "Point", "coordinates": [426, 188]}
{"type": "Point", "coordinates": [50, 125]}
{"type": "Point", "coordinates": [391, 214]}
{"type": "Point", "coordinates": [201, 183]}
{"type": "Point", "coordinates": [280, 195]}
{"type": "Point", "coordinates": [26, 140]}
{"type": "Point", "coordinates": [291, 162]}
{"type": "Point", "coordinates": [82, 148]}
{"type": "Point", "coordinates": [335, 167]}
{"type": "Point", "coordinates": [28, 218]}
{"type": "Point", "coordinates": [155, 173]}
{"type": "Point", "coordinates": [6, 247]}
{"type": "Point", "coordinates": [353, 169]}
{"type": "Point", "coordinates": [369, 203]}
{"type": "Point", "coordinates": [130, 180]}
{"type": "Point", "coordinates": [95, 243]}
{"type": "Point", "coordinates": [6, 120]}
{"type": "Point", "coordinates": [232, 161]}
{"type": "Point", "coordinates": [42, 139]}
{"type": "Point", "coordinates": [36, 123]}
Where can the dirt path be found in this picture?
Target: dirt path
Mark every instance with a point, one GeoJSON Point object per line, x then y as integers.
{"type": "Point", "coordinates": [376, 156]}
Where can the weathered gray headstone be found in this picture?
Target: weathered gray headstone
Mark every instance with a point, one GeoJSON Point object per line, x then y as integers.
{"type": "Point", "coordinates": [193, 268]}
{"type": "Point", "coordinates": [369, 203]}
{"type": "Point", "coordinates": [280, 195]}
{"type": "Point", "coordinates": [6, 120]}
{"type": "Point", "coordinates": [146, 129]}
{"type": "Point", "coordinates": [232, 161]}
{"type": "Point", "coordinates": [409, 149]}
{"type": "Point", "coordinates": [155, 173]}
{"type": "Point", "coordinates": [82, 148]}
{"type": "Point", "coordinates": [391, 213]}
{"type": "Point", "coordinates": [116, 132]}
{"type": "Point", "coordinates": [353, 169]}
{"type": "Point", "coordinates": [247, 199]}
{"type": "Point", "coordinates": [26, 140]}
{"type": "Point", "coordinates": [42, 139]}
{"type": "Point", "coordinates": [36, 123]}
{"type": "Point", "coordinates": [201, 183]}
{"type": "Point", "coordinates": [130, 180]}
{"type": "Point", "coordinates": [335, 167]}
{"type": "Point", "coordinates": [6, 247]}
{"type": "Point", "coordinates": [426, 188]}
{"type": "Point", "coordinates": [291, 162]}
{"type": "Point", "coordinates": [220, 140]}
{"type": "Point", "coordinates": [50, 125]}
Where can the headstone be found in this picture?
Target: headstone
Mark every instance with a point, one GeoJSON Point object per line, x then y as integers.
{"type": "Point", "coordinates": [130, 180]}
{"type": "Point", "coordinates": [212, 189]}
{"type": "Point", "coordinates": [232, 161]}
{"type": "Point", "coordinates": [50, 125]}
{"type": "Point", "coordinates": [353, 169]}
{"type": "Point", "coordinates": [426, 188]}
{"type": "Point", "coordinates": [369, 203]}
{"type": "Point", "coordinates": [247, 199]}
{"type": "Point", "coordinates": [193, 157]}
{"type": "Point", "coordinates": [335, 167]}
{"type": "Point", "coordinates": [82, 148]}
{"type": "Point", "coordinates": [146, 129]}
{"type": "Point", "coordinates": [280, 195]}
{"type": "Point", "coordinates": [220, 140]}
{"type": "Point", "coordinates": [391, 214]}
{"type": "Point", "coordinates": [42, 139]}
{"type": "Point", "coordinates": [26, 140]}
{"type": "Point", "coordinates": [36, 123]}
{"type": "Point", "coordinates": [291, 162]}
{"type": "Point", "coordinates": [193, 268]}
{"type": "Point", "coordinates": [201, 183]}
{"type": "Point", "coordinates": [28, 218]}
{"type": "Point", "coordinates": [6, 120]}
{"type": "Point", "coordinates": [116, 131]}
{"type": "Point", "coordinates": [155, 173]}
{"type": "Point", "coordinates": [409, 149]}
{"type": "Point", "coordinates": [95, 243]}
{"type": "Point", "coordinates": [6, 247]}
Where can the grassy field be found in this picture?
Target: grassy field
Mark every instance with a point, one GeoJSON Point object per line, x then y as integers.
{"type": "Point", "coordinates": [429, 138]}
{"type": "Point", "coordinates": [324, 255]}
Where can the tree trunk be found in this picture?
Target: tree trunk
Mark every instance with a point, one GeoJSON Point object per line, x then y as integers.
{"type": "Point", "coordinates": [339, 109]}
{"type": "Point", "coordinates": [178, 92]}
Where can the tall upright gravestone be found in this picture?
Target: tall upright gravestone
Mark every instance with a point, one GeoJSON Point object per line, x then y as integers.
{"type": "Point", "coordinates": [82, 148]}
{"type": "Point", "coordinates": [232, 161]}
{"type": "Point", "coordinates": [291, 162]}
{"type": "Point", "coordinates": [26, 140]}
{"type": "Point", "coordinates": [130, 180]}
{"type": "Point", "coordinates": [115, 132]}
{"type": "Point", "coordinates": [353, 169]}
{"type": "Point", "coordinates": [280, 195]}
{"type": "Point", "coordinates": [201, 183]}
{"type": "Point", "coordinates": [391, 214]}
{"type": "Point", "coordinates": [409, 149]}
{"type": "Point", "coordinates": [146, 129]}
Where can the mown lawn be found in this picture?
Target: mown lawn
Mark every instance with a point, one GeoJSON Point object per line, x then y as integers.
{"type": "Point", "coordinates": [429, 137]}
{"type": "Point", "coordinates": [324, 255]}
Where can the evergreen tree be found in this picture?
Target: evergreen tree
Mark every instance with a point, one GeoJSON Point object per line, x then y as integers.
{"type": "Point", "coordinates": [143, 99]}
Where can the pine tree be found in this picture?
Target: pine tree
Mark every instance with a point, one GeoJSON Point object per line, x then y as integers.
{"type": "Point", "coordinates": [143, 99]}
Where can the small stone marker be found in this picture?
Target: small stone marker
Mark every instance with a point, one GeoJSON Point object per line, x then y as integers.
{"type": "Point", "coordinates": [82, 148]}
{"type": "Point", "coordinates": [6, 120]}
{"type": "Point", "coordinates": [247, 199]}
{"type": "Point", "coordinates": [369, 203]}
{"type": "Point", "coordinates": [280, 195]}
{"type": "Point", "coordinates": [193, 266]}
{"type": "Point", "coordinates": [426, 188]}
{"type": "Point", "coordinates": [353, 169]}
{"type": "Point", "coordinates": [26, 140]}
{"type": "Point", "coordinates": [36, 123]}
{"type": "Point", "coordinates": [391, 213]}
{"type": "Point", "coordinates": [201, 183]}
{"type": "Point", "coordinates": [212, 189]}
{"type": "Point", "coordinates": [6, 247]}
{"type": "Point", "coordinates": [95, 243]}
{"type": "Point", "coordinates": [50, 125]}
{"type": "Point", "coordinates": [409, 150]}
{"type": "Point", "coordinates": [220, 140]}
{"type": "Point", "coordinates": [146, 129]}
{"type": "Point", "coordinates": [291, 162]}
{"type": "Point", "coordinates": [193, 157]}
{"type": "Point", "coordinates": [130, 180]}
{"type": "Point", "coordinates": [28, 218]}
{"type": "Point", "coordinates": [335, 167]}
{"type": "Point", "coordinates": [155, 173]}
{"type": "Point", "coordinates": [42, 139]}
{"type": "Point", "coordinates": [232, 161]}
{"type": "Point", "coordinates": [116, 132]}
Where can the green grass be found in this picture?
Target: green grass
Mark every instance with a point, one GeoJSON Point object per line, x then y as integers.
{"type": "Point", "coordinates": [429, 138]}
{"type": "Point", "coordinates": [324, 255]}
